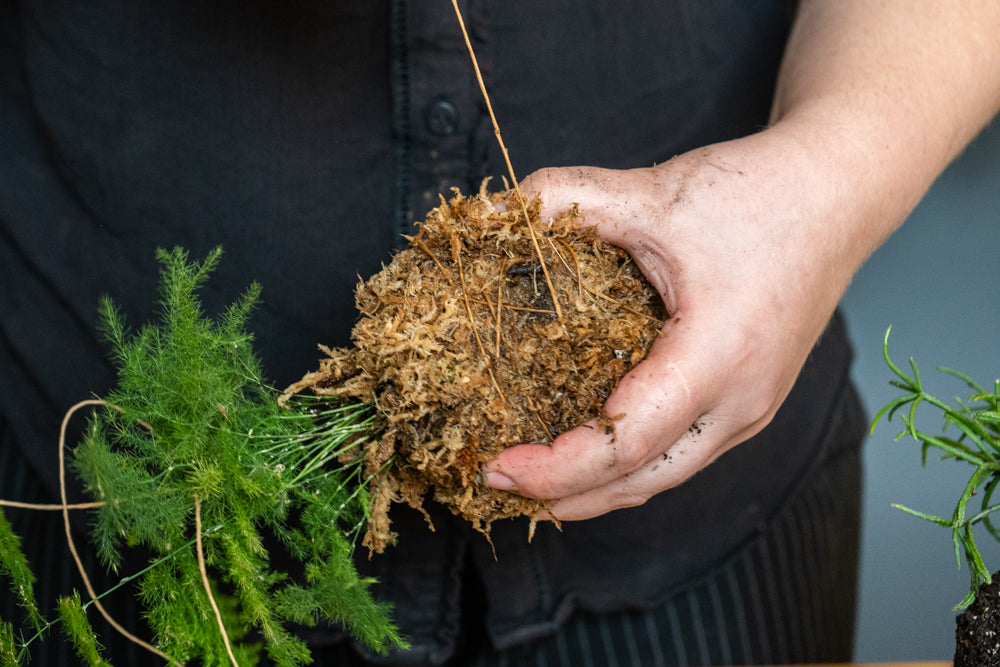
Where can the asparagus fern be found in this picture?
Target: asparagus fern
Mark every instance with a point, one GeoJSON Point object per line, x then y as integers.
{"type": "Point", "coordinates": [191, 428]}
{"type": "Point", "coordinates": [78, 631]}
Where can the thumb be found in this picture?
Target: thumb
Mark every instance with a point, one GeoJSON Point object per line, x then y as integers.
{"type": "Point", "coordinates": [559, 188]}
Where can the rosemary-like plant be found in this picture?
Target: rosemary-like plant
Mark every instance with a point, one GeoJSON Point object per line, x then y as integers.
{"type": "Point", "coordinates": [977, 420]}
{"type": "Point", "coordinates": [192, 457]}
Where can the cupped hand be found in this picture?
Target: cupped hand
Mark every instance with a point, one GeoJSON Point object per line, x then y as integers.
{"type": "Point", "coordinates": [745, 245]}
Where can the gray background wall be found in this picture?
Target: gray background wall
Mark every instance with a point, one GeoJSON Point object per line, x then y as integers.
{"type": "Point", "coordinates": [937, 282]}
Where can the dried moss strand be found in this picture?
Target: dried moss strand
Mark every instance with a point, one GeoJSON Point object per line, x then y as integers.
{"type": "Point", "coordinates": [541, 422]}
{"type": "Point", "coordinates": [520, 309]}
{"type": "Point", "coordinates": [628, 309]}
{"type": "Point", "coordinates": [495, 313]}
{"type": "Point", "coordinates": [503, 272]}
{"type": "Point", "coordinates": [455, 249]}
{"type": "Point", "coordinates": [69, 534]}
{"type": "Point", "coordinates": [576, 264]}
{"type": "Point", "coordinates": [489, 305]}
{"type": "Point", "coordinates": [457, 255]}
{"type": "Point", "coordinates": [541, 258]}
{"type": "Point", "coordinates": [486, 98]}
{"type": "Point", "coordinates": [423, 246]}
{"type": "Point", "coordinates": [562, 260]}
{"type": "Point", "coordinates": [506, 157]}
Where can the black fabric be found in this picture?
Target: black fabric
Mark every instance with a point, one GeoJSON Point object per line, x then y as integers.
{"type": "Point", "coordinates": [302, 136]}
{"type": "Point", "coordinates": [261, 126]}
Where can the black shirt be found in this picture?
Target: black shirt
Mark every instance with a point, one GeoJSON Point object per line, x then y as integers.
{"type": "Point", "coordinates": [305, 136]}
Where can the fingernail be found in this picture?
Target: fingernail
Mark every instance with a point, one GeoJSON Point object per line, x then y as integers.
{"type": "Point", "coordinates": [500, 481]}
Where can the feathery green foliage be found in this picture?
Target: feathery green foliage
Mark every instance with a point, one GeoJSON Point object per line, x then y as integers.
{"type": "Point", "coordinates": [192, 422]}
{"type": "Point", "coordinates": [78, 630]}
{"type": "Point", "coordinates": [9, 645]}
{"type": "Point", "coordinates": [977, 443]}
{"type": "Point", "coordinates": [15, 566]}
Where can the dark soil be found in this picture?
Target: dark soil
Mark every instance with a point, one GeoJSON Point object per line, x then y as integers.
{"type": "Point", "coordinates": [977, 631]}
{"type": "Point", "coordinates": [462, 348]}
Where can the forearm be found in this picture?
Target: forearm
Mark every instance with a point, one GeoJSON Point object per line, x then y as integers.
{"type": "Point", "coordinates": [886, 94]}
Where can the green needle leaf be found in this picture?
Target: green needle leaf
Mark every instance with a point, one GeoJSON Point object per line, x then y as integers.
{"type": "Point", "coordinates": [978, 445]}
{"type": "Point", "coordinates": [78, 630]}
{"type": "Point", "coordinates": [15, 566]}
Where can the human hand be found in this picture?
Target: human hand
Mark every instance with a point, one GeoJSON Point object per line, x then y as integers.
{"type": "Point", "coordinates": [752, 242]}
{"type": "Point", "coordinates": [740, 242]}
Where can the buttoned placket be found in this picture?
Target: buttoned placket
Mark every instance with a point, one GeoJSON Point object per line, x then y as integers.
{"type": "Point", "coordinates": [441, 126]}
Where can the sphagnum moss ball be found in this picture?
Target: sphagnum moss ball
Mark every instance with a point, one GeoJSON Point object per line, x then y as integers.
{"type": "Point", "coordinates": [461, 347]}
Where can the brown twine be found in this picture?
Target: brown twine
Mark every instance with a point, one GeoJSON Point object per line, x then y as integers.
{"type": "Point", "coordinates": [506, 157]}
{"type": "Point", "coordinates": [69, 535]}
{"type": "Point", "coordinates": [205, 582]}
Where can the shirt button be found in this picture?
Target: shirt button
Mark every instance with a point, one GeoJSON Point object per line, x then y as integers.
{"type": "Point", "coordinates": [441, 118]}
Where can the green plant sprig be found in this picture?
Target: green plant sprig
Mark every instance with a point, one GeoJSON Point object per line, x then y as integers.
{"type": "Point", "coordinates": [192, 423]}
{"type": "Point", "coordinates": [20, 647]}
{"type": "Point", "coordinates": [977, 419]}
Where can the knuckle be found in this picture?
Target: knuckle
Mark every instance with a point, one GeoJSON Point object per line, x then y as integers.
{"type": "Point", "coordinates": [628, 459]}
{"type": "Point", "coordinates": [629, 498]}
{"type": "Point", "coordinates": [761, 408]}
{"type": "Point", "coordinates": [543, 487]}
{"type": "Point", "coordinates": [547, 490]}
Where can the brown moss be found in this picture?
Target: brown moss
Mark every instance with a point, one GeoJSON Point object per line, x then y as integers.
{"type": "Point", "coordinates": [461, 348]}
